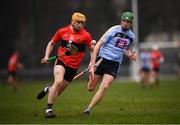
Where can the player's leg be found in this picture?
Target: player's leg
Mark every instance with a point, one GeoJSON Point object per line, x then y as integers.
{"type": "Point", "coordinates": [14, 83]}
{"type": "Point", "coordinates": [43, 92]}
{"type": "Point", "coordinates": [142, 75]}
{"type": "Point", "coordinates": [92, 83]}
{"type": "Point", "coordinates": [11, 75]}
{"type": "Point", "coordinates": [59, 72]}
{"type": "Point", "coordinates": [49, 113]}
{"type": "Point", "coordinates": [46, 89]}
{"type": "Point", "coordinates": [106, 82]}
{"type": "Point", "coordinates": [157, 75]}
{"type": "Point", "coordinates": [145, 74]}
{"type": "Point", "coordinates": [67, 76]}
{"type": "Point", "coordinates": [147, 78]}
{"type": "Point", "coordinates": [153, 75]}
{"type": "Point", "coordinates": [62, 87]}
{"type": "Point", "coordinates": [108, 70]}
{"type": "Point", "coordinates": [99, 71]}
{"type": "Point", "coordinates": [12, 80]}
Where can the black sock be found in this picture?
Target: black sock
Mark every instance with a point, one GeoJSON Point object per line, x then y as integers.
{"type": "Point", "coordinates": [49, 106]}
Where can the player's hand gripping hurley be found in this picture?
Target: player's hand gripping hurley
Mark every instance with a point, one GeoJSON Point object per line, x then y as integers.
{"type": "Point", "coordinates": [71, 50]}
{"type": "Point", "coordinates": [83, 72]}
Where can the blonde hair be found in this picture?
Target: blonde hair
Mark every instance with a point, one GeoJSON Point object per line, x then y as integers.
{"type": "Point", "coordinates": [78, 17]}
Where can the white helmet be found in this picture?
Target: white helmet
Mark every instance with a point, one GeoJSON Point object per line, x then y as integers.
{"type": "Point", "coordinates": [155, 47]}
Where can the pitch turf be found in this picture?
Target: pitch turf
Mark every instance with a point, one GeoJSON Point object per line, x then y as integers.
{"type": "Point", "coordinates": [123, 103]}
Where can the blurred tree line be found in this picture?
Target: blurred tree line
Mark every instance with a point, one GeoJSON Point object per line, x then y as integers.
{"type": "Point", "coordinates": [28, 25]}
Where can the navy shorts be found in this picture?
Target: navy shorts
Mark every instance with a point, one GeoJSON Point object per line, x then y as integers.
{"type": "Point", "coordinates": [145, 69]}
{"type": "Point", "coordinates": [156, 70]}
{"type": "Point", "coordinates": [107, 67]}
{"type": "Point", "coordinates": [12, 73]}
{"type": "Point", "coordinates": [69, 72]}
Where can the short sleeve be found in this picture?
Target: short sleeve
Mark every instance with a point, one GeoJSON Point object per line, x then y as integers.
{"type": "Point", "coordinates": [89, 40]}
{"type": "Point", "coordinates": [108, 34]}
{"type": "Point", "coordinates": [57, 36]}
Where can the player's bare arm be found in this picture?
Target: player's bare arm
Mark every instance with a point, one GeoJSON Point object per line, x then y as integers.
{"type": "Point", "coordinates": [20, 65]}
{"type": "Point", "coordinates": [48, 51]}
{"type": "Point", "coordinates": [91, 49]}
{"type": "Point", "coordinates": [94, 55]}
{"type": "Point", "coordinates": [131, 54]}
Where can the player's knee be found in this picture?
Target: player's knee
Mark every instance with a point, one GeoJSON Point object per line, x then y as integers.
{"type": "Point", "coordinates": [105, 87]}
{"type": "Point", "coordinates": [58, 81]}
{"type": "Point", "coordinates": [90, 88]}
{"type": "Point", "coordinates": [56, 85]}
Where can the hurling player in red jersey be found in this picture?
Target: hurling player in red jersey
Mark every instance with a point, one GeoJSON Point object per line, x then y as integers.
{"type": "Point", "coordinates": [13, 65]}
{"type": "Point", "coordinates": [66, 67]}
{"type": "Point", "coordinates": [157, 58]}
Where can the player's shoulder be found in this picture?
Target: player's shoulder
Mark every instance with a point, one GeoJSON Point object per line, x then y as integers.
{"type": "Point", "coordinates": [131, 33]}
{"type": "Point", "coordinates": [115, 27]}
{"type": "Point", "coordinates": [64, 29]}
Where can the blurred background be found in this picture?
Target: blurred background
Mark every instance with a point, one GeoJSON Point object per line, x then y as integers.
{"type": "Point", "coordinates": [28, 25]}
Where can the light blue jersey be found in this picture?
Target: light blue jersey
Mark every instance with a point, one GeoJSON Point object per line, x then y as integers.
{"type": "Point", "coordinates": [145, 60]}
{"type": "Point", "coordinates": [116, 41]}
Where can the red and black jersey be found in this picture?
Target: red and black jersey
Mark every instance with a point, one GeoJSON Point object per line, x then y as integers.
{"type": "Point", "coordinates": [80, 39]}
{"type": "Point", "coordinates": [12, 65]}
{"type": "Point", "coordinates": [156, 57]}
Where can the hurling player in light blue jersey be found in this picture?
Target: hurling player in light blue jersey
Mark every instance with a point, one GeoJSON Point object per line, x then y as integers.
{"type": "Point", "coordinates": [110, 49]}
{"type": "Point", "coordinates": [145, 67]}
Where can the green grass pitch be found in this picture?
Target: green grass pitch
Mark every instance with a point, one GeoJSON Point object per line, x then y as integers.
{"type": "Point", "coordinates": [124, 103]}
